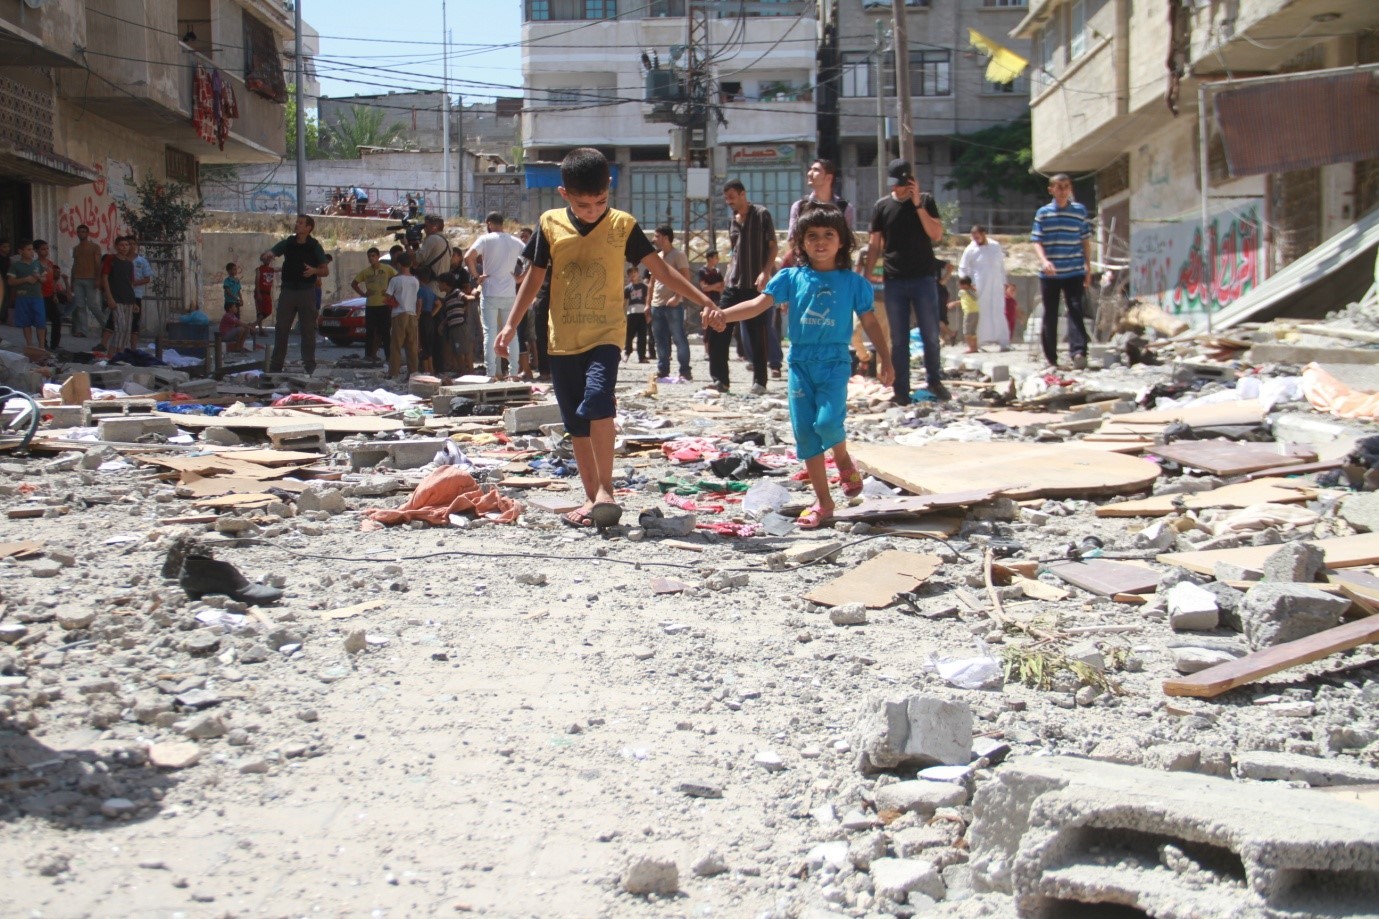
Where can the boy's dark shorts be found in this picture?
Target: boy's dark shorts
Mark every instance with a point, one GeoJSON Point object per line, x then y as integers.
{"type": "Point", "coordinates": [584, 385]}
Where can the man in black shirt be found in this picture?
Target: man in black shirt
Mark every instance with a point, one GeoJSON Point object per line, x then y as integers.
{"type": "Point", "coordinates": [304, 261]}
{"type": "Point", "coordinates": [905, 225]}
{"type": "Point", "coordinates": [752, 235]}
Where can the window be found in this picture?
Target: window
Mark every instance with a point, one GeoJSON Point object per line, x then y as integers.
{"type": "Point", "coordinates": [1077, 29]}
{"type": "Point", "coordinates": [657, 196]}
{"type": "Point", "coordinates": [930, 73]}
{"type": "Point", "coordinates": [263, 68]}
{"type": "Point", "coordinates": [1048, 39]}
{"type": "Point", "coordinates": [179, 165]}
{"type": "Point", "coordinates": [665, 8]}
{"type": "Point", "coordinates": [538, 10]}
{"type": "Point", "coordinates": [993, 4]}
{"type": "Point", "coordinates": [886, 4]}
{"type": "Point", "coordinates": [856, 75]}
{"type": "Point", "coordinates": [600, 9]}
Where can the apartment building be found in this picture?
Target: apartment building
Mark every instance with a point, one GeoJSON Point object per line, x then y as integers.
{"type": "Point", "coordinates": [585, 82]}
{"type": "Point", "coordinates": [950, 96]}
{"type": "Point", "coordinates": [1104, 103]}
{"type": "Point", "coordinates": [95, 95]}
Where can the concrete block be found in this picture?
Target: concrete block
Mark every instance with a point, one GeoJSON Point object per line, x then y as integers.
{"type": "Point", "coordinates": [413, 454]}
{"type": "Point", "coordinates": [1330, 437]}
{"type": "Point", "coordinates": [1103, 354]}
{"type": "Point", "coordinates": [896, 878]}
{"type": "Point", "coordinates": [102, 407]}
{"type": "Point", "coordinates": [199, 389]}
{"type": "Point", "coordinates": [919, 796]}
{"type": "Point", "coordinates": [530, 417]}
{"type": "Point", "coordinates": [65, 416]}
{"type": "Point", "coordinates": [1294, 562]}
{"type": "Point", "coordinates": [1192, 608]}
{"type": "Point", "coordinates": [995, 372]}
{"type": "Point", "coordinates": [1360, 511]}
{"type": "Point", "coordinates": [307, 436]}
{"type": "Point", "coordinates": [1061, 834]}
{"type": "Point", "coordinates": [914, 731]}
{"type": "Point", "coordinates": [127, 429]}
{"type": "Point", "coordinates": [1293, 767]}
{"type": "Point", "coordinates": [1276, 613]}
{"type": "Point", "coordinates": [1279, 353]}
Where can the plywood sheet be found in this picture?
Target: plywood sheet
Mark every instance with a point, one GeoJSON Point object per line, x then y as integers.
{"type": "Point", "coordinates": [19, 549]}
{"type": "Point", "coordinates": [1019, 470]}
{"type": "Point", "coordinates": [355, 424]}
{"type": "Point", "coordinates": [1200, 416]}
{"type": "Point", "coordinates": [234, 485]}
{"type": "Point", "coordinates": [1241, 494]}
{"type": "Point", "coordinates": [1340, 552]}
{"type": "Point", "coordinates": [1106, 579]}
{"type": "Point", "coordinates": [1223, 677]}
{"type": "Point", "coordinates": [877, 581]}
{"type": "Point", "coordinates": [921, 528]}
{"type": "Point", "coordinates": [1014, 419]}
{"type": "Point", "coordinates": [271, 457]}
{"type": "Point", "coordinates": [912, 505]}
{"type": "Point", "coordinates": [1225, 457]}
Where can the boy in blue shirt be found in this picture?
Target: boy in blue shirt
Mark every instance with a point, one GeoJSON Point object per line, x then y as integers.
{"type": "Point", "coordinates": [25, 278]}
{"type": "Point", "coordinates": [821, 294]}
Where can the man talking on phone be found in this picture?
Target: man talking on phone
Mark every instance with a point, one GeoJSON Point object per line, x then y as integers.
{"type": "Point", "coordinates": [905, 225]}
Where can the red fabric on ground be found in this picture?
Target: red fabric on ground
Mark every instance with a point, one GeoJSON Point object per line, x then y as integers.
{"type": "Point", "coordinates": [449, 491]}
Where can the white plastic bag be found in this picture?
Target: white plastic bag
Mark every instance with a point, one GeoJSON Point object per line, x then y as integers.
{"type": "Point", "coordinates": [763, 497]}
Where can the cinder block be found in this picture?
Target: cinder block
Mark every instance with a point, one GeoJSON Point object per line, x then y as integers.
{"type": "Point", "coordinates": [530, 417]}
{"type": "Point", "coordinates": [65, 416]}
{"type": "Point", "coordinates": [413, 454]}
{"type": "Point", "coordinates": [1061, 834]}
{"type": "Point", "coordinates": [996, 373]}
{"type": "Point", "coordinates": [127, 429]}
{"type": "Point", "coordinates": [914, 730]}
{"type": "Point", "coordinates": [198, 389]}
{"type": "Point", "coordinates": [308, 436]}
{"type": "Point", "coordinates": [96, 407]}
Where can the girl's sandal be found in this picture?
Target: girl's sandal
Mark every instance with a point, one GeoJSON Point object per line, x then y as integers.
{"type": "Point", "coordinates": [851, 480]}
{"type": "Point", "coordinates": [812, 519]}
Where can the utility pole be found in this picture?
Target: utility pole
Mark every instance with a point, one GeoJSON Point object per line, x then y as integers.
{"type": "Point", "coordinates": [459, 146]}
{"type": "Point", "coordinates": [445, 106]}
{"type": "Point", "coordinates": [882, 154]}
{"type": "Point", "coordinates": [699, 127]}
{"type": "Point", "coordinates": [901, 42]}
{"type": "Point", "coordinates": [301, 110]}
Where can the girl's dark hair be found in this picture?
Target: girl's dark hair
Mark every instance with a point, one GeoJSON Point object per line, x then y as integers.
{"type": "Point", "coordinates": [815, 215]}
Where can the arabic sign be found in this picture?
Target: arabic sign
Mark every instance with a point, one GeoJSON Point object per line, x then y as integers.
{"type": "Point", "coordinates": [763, 155]}
{"type": "Point", "coordinates": [1169, 266]}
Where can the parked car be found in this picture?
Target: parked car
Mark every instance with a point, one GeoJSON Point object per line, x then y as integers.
{"type": "Point", "coordinates": [343, 322]}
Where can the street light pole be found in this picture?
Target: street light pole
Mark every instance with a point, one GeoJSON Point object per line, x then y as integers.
{"type": "Point", "coordinates": [445, 106]}
{"type": "Point", "coordinates": [900, 33]}
{"type": "Point", "coordinates": [880, 76]}
{"type": "Point", "coordinates": [301, 109]}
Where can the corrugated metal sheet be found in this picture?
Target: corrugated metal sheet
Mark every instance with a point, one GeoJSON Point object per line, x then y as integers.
{"type": "Point", "coordinates": [1299, 124]}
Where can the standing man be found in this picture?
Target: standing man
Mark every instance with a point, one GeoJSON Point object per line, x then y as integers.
{"type": "Point", "coordinates": [371, 283]}
{"type": "Point", "coordinates": [86, 280]}
{"type": "Point", "coordinates": [822, 178]}
{"type": "Point", "coordinates": [905, 225]}
{"type": "Point", "coordinates": [1062, 238]}
{"type": "Point", "coordinates": [752, 235]}
{"type": "Point", "coordinates": [117, 283]}
{"type": "Point", "coordinates": [500, 252]}
{"type": "Point", "coordinates": [985, 263]}
{"type": "Point", "coordinates": [304, 261]}
{"type": "Point", "coordinates": [434, 254]}
{"type": "Point", "coordinates": [668, 307]}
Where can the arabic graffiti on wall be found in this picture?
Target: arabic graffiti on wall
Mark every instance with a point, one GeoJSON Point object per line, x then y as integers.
{"type": "Point", "coordinates": [1170, 265]}
{"type": "Point", "coordinates": [98, 209]}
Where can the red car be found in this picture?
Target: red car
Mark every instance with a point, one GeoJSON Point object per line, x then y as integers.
{"type": "Point", "coordinates": [343, 322]}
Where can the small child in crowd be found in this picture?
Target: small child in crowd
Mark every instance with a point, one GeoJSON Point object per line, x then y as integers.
{"type": "Point", "coordinates": [428, 318]}
{"type": "Point", "coordinates": [263, 289]}
{"type": "Point", "coordinates": [233, 330]}
{"type": "Point", "coordinates": [634, 303]}
{"type": "Point", "coordinates": [584, 246]}
{"type": "Point", "coordinates": [1012, 308]}
{"type": "Point", "coordinates": [25, 278]}
{"type": "Point", "coordinates": [401, 298]}
{"type": "Point", "coordinates": [971, 311]}
{"type": "Point", "coordinates": [821, 294]}
{"type": "Point", "coordinates": [455, 321]}
{"type": "Point", "coordinates": [232, 287]}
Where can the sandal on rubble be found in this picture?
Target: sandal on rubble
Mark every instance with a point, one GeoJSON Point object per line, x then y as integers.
{"type": "Point", "coordinates": [577, 519]}
{"type": "Point", "coordinates": [811, 519]}
{"type": "Point", "coordinates": [851, 480]}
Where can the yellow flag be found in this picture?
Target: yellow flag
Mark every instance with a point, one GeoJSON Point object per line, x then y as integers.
{"type": "Point", "coordinates": [1005, 65]}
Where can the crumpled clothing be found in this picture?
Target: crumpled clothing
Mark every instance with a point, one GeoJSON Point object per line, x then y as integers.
{"type": "Point", "coordinates": [344, 408]}
{"type": "Point", "coordinates": [1262, 517]}
{"type": "Point", "coordinates": [724, 528]}
{"type": "Point", "coordinates": [689, 504]}
{"type": "Point", "coordinates": [449, 490]}
{"type": "Point", "coordinates": [691, 450]}
{"type": "Point", "coordinates": [188, 408]}
{"type": "Point", "coordinates": [1328, 394]}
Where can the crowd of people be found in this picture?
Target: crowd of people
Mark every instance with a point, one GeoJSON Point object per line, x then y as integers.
{"type": "Point", "coordinates": [99, 292]}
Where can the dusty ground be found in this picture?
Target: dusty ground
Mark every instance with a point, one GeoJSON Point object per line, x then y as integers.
{"type": "Point", "coordinates": [505, 748]}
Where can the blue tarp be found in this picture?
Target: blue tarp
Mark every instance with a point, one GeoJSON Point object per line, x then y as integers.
{"type": "Point", "coordinates": [547, 175]}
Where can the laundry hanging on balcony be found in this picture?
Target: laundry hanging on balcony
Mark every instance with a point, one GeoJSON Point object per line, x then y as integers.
{"type": "Point", "coordinates": [213, 106]}
{"type": "Point", "coordinates": [1004, 65]}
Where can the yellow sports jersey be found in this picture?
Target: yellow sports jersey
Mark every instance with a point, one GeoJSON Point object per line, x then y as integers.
{"type": "Point", "coordinates": [587, 281]}
{"type": "Point", "coordinates": [970, 304]}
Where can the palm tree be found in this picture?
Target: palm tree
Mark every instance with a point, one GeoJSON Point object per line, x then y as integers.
{"type": "Point", "coordinates": [363, 128]}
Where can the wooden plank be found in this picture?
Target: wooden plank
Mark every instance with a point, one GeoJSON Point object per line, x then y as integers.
{"type": "Point", "coordinates": [912, 505]}
{"type": "Point", "coordinates": [236, 501]}
{"type": "Point", "coordinates": [354, 424]}
{"type": "Point", "coordinates": [1201, 416]}
{"type": "Point", "coordinates": [922, 528]}
{"type": "Point", "coordinates": [1340, 552]}
{"type": "Point", "coordinates": [1360, 586]}
{"type": "Point", "coordinates": [555, 502]}
{"type": "Point", "coordinates": [1225, 457]}
{"type": "Point", "coordinates": [1223, 677]}
{"type": "Point", "coordinates": [1016, 419]}
{"type": "Point", "coordinates": [234, 485]}
{"type": "Point", "coordinates": [272, 457]}
{"type": "Point", "coordinates": [19, 549]}
{"type": "Point", "coordinates": [1241, 494]}
{"type": "Point", "coordinates": [1298, 469]}
{"type": "Point", "coordinates": [1106, 579]}
{"type": "Point", "coordinates": [1019, 470]}
{"type": "Point", "coordinates": [877, 581]}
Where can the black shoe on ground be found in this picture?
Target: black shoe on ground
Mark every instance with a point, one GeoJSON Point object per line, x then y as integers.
{"type": "Point", "coordinates": [203, 575]}
{"type": "Point", "coordinates": [940, 392]}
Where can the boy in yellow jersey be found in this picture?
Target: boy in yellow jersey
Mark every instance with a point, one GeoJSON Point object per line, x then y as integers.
{"type": "Point", "coordinates": [585, 246]}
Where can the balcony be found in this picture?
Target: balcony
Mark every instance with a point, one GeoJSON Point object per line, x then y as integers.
{"type": "Point", "coordinates": [1242, 38]}
{"type": "Point", "coordinates": [46, 37]}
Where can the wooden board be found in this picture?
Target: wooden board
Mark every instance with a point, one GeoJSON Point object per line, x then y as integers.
{"type": "Point", "coordinates": [19, 549]}
{"type": "Point", "coordinates": [271, 457]}
{"type": "Point", "coordinates": [234, 485]}
{"type": "Point", "coordinates": [1215, 680]}
{"type": "Point", "coordinates": [1013, 419]}
{"type": "Point", "coordinates": [877, 581]}
{"type": "Point", "coordinates": [1106, 579]}
{"type": "Point", "coordinates": [1019, 470]}
{"type": "Point", "coordinates": [1226, 457]}
{"type": "Point", "coordinates": [356, 424]}
{"type": "Point", "coordinates": [1241, 494]}
{"type": "Point", "coordinates": [1200, 416]}
{"type": "Point", "coordinates": [1298, 469]}
{"type": "Point", "coordinates": [236, 501]}
{"type": "Point", "coordinates": [1340, 552]}
{"type": "Point", "coordinates": [555, 502]}
{"type": "Point", "coordinates": [912, 505]}
{"type": "Point", "coordinates": [1360, 586]}
{"type": "Point", "coordinates": [922, 528]}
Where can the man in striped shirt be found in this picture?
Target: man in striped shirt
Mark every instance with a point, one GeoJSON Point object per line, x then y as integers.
{"type": "Point", "coordinates": [1062, 238]}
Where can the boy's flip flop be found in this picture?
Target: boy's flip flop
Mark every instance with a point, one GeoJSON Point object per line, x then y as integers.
{"type": "Point", "coordinates": [605, 515]}
{"type": "Point", "coordinates": [851, 480]}
{"type": "Point", "coordinates": [577, 520]}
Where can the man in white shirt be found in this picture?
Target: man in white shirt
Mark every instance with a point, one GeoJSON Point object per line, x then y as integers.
{"type": "Point", "coordinates": [984, 262]}
{"type": "Point", "coordinates": [500, 252]}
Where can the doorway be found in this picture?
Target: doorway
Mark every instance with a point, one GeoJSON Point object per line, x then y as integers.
{"type": "Point", "coordinates": [16, 210]}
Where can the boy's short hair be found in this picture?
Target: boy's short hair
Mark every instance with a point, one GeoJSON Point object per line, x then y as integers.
{"type": "Point", "coordinates": [310, 220]}
{"type": "Point", "coordinates": [712, 253]}
{"type": "Point", "coordinates": [584, 171]}
{"type": "Point", "coordinates": [734, 185]}
{"type": "Point", "coordinates": [373, 250]}
{"type": "Point", "coordinates": [447, 280]}
{"type": "Point", "coordinates": [814, 215]}
{"type": "Point", "coordinates": [494, 217]}
{"type": "Point", "coordinates": [667, 231]}
{"type": "Point", "coordinates": [230, 266]}
{"type": "Point", "coordinates": [964, 279]}
{"type": "Point", "coordinates": [424, 274]}
{"type": "Point", "coordinates": [1060, 177]}
{"type": "Point", "coordinates": [403, 260]}
{"type": "Point", "coordinates": [26, 243]}
{"type": "Point", "coordinates": [977, 228]}
{"type": "Point", "coordinates": [40, 243]}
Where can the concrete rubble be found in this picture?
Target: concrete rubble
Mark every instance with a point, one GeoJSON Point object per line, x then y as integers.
{"type": "Point", "coordinates": [470, 706]}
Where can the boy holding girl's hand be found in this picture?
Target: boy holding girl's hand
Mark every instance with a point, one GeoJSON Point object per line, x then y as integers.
{"type": "Point", "coordinates": [586, 245]}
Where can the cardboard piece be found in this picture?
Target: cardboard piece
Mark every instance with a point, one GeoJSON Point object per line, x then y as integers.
{"type": "Point", "coordinates": [555, 502]}
{"type": "Point", "coordinates": [1015, 419]}
{"type": "Point", "coordinates": [1223, 677]}
{"type": "Point", "coordinates": [259, 421]}
{"type": "Point", "coordinates": [77, 389]}
{"type": "Point", "coordinates": [194, 486]}
{"type": "Point", "coordinates": [878, 581]}
{"type": "Point", "coordinates": [1340, 552]}
{"type": "Point", "coordinates": [1106, 579]}
{"type": "Point", "coordinates": [271, 457]}
{"type": "Point", "coordinates": [239, 502]}
{"type": "Point", "coordinates": [1241, 494]}
{"type": "Point", "coordinates": [19, 549]}
{"type": "Point", "coordinates": [1038, 590]}
{"type": "Point", "coordinates": [1018, 470]}
{"type": "Point", "coordinates": [346, 612]}
{"type": "Point", "coordinates": [1225, 457]}
{"type": "Point", "coordinates": [1198, 416]}
{"type": "Point", "coordinates": [912, 506]}
{"type": "Point", "coordinates": [1298, 468]}
{"type": "Point", "coordinates": [668, 586]}
{"type": "Point", "coordinates": [922, 528]}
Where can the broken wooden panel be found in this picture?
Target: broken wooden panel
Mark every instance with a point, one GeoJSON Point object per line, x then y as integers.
{"type": "Point", "coordinates": [1226, 457]}
{"type": "Point", "coordinates": [1241, 494]}
{"type": "Point", "coordinates": [878, 581]}
{"type": "Point", "coordinates": [912, 505]}
{"type": "Point", "coordinates": [1019, 470]}
{"type": "Point", "coordinates": [1339, 551]}
{"type": "Point", "coordinates": [1106, 579]}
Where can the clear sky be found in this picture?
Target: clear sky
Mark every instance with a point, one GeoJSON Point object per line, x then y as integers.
{"type": "Point", "coordinates": [373, 47]}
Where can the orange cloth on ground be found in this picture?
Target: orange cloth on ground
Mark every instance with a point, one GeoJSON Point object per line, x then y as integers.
{"type": "Point", "coordinates": [1329, 394]}
{"type": "Point", "coordinates": [449, 491]}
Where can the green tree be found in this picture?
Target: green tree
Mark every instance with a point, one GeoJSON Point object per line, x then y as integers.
{"type": "Point", "coordinates": [996, 161]}
{"type": "Point", "coordinates": [165, 213]}
{"type": "Point", "coordinates": [363, 128]}
{"type": "Point", "coordinates": [313, 130]}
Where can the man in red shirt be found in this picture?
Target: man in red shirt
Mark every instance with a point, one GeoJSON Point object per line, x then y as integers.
{"type": "Point", "coordinates": [263, 289]}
